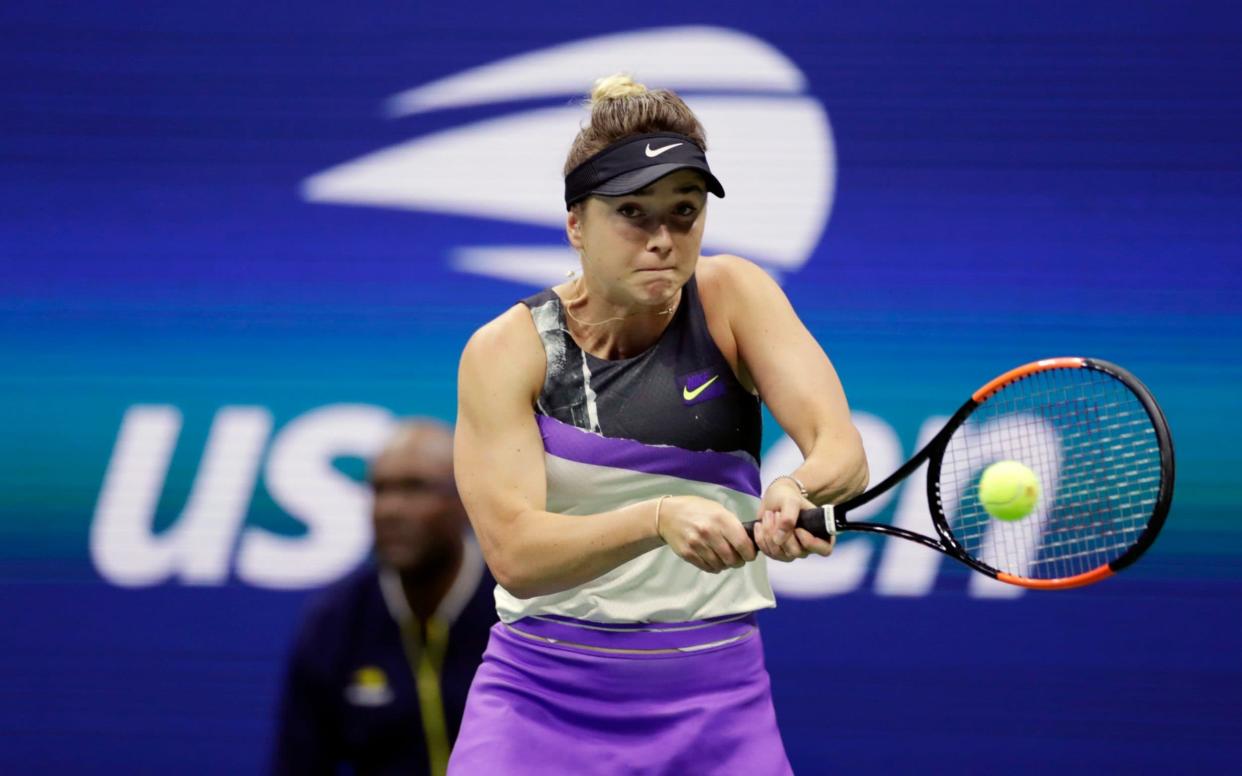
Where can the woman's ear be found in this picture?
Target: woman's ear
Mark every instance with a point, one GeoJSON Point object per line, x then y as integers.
{"type": "Point", "coordinates": [573, 227]}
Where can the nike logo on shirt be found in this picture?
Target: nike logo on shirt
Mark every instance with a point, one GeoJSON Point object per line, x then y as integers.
{"type": "Point", "coordinates": [690, 395]}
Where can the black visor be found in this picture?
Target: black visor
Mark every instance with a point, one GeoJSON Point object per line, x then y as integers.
{"type": "Point", "coordinates": [635, 163]}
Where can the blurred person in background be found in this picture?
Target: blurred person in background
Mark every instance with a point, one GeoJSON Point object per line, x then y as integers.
{"type": "Point", "coordinates": [382, 663]}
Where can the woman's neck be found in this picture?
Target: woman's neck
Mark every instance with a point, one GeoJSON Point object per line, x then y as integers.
{"type": "Point", "coordinates": [608, 330]}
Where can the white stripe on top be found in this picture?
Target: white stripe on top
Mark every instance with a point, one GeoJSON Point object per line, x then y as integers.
{"type": "Point", "coordinates": [657, 586]}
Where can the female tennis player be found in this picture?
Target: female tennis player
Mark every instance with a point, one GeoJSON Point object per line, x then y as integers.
{"type": "Point", "coordinates": [607, 452]}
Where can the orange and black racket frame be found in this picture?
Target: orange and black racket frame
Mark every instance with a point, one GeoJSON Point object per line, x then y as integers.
{"type": "Point", "coordinates": [825, 522]}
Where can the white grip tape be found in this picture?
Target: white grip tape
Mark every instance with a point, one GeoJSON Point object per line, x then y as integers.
{"type": "Point", "coordinates": [830, 520]}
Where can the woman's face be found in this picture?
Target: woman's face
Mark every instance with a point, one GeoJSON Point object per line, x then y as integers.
{"type": "Point", "coordinates": [642, 247]}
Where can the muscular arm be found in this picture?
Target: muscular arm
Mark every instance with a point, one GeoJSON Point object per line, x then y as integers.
{"type": "Point", "coordinates": [795, 379]}
{"type": "Point", "coordinates": [499, 466]}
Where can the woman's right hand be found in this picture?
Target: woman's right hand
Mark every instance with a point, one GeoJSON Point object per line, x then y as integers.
{"type": "Point", "coordinates": [704, 534]}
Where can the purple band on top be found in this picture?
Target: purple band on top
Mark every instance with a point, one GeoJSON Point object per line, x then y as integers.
{"type": "Point", "coordinates": [575, 444]}
{"type": "Point", "coordinates": [637, 636]}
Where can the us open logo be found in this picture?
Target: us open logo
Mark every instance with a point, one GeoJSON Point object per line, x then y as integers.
{"type": "Point", "coordinates": [769, 141]}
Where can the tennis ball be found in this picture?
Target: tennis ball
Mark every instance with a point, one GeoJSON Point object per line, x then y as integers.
{"type": "Point", "coordinates": [1008, 490]}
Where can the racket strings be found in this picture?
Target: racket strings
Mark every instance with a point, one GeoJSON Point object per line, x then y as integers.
{"type": "Point", "coordinates": [1089, 441]}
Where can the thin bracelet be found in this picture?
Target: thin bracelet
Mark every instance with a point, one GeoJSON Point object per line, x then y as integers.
{"type": "Point", "coordinates": [659, 503]}
{"type": "Point", "coordinates": [795, 481]}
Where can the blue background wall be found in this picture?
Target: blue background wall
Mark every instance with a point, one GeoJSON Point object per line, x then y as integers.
{"type": "Point", "coordinates": [1011, 182]}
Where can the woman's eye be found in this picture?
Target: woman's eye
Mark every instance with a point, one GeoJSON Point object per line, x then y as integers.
{"type": "Point", "coordinates": [629, 211]}
{"type": "Point", "coordinates": [686, 211]}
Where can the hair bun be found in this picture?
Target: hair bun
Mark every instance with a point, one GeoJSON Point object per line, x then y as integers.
{"type": "Point", "coordinates": [621, 107]}
{"type": "Point", "coordinates": [615, 87]}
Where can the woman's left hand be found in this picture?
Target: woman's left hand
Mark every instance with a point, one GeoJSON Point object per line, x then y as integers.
{"type": "Point", "coordinates": [776, 531]}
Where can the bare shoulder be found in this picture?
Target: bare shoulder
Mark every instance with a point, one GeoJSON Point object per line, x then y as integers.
{"type": "Point", "coordinates": [729, 287]}
{"type": "Point", "coordinates": [505, 351]}
{"type": "Point", "coordinates": [728, 282]}
{"type": "Point", "coordinates": [512, 327]}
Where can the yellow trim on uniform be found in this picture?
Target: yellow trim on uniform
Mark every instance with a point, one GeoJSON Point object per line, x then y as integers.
{"type": "Point", "coordinates": [426, 658]}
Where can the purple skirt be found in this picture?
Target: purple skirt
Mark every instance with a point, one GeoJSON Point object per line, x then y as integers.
{"type": "Point", "coordinates": [557, 696]}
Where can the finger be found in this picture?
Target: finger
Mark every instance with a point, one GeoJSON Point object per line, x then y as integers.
{"type": "Point", "coordinates": [693, 549]}
{"type": "Point", "coordinates": [781, 557]}
{"type": "Point", "coordinates": [719, 536]}
{"type": "Point", "coordinates": [769, 529]}
{"type": "Point", "coordinates": [761, 533]}
{"type": "Point", "coordinates": [765, 541]}
{"type": "Point", "coordinates": [815, 544]}
{"type": "Point", "coordinates": [747, 550]}
{"type": "Point", "coordinates": [739, 542]}
{"type": "Point", "coordinates": [783, 522]}
{"type": "Point", "coordinates": [728, 558]}
{"type": "Point", "coordinates": [777, 551]}
{"type": "Point", "coordinates": [761, 537]}
{"type": "Point", "coordinates": [707, 556]}
{"type": "Point", "coordinates": [768, 547]}
{"type": "Point", "coordinates": [773, 544]}
{"type": "Point", "coordinates": [792, 549]}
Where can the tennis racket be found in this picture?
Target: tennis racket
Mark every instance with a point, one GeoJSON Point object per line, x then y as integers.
{"type": "Point", "coordinates": [1099, 446]}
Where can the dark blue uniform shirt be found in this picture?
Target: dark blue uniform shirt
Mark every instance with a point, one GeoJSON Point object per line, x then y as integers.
{"type": "Point", "coordinates": [350, 698]}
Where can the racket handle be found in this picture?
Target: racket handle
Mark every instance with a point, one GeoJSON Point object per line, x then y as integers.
{"type": "Point", "coordinates": [815, 521]}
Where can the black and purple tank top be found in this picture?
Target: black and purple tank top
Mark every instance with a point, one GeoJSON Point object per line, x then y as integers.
{"type": "Point", "coordinates": [673, 420]}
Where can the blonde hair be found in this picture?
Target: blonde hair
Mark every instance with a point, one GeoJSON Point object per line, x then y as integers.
{"type": "Point", "coordinates": [621, 107]}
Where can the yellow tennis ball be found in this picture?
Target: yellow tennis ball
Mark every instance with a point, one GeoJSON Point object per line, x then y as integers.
{"type": "Point", "coordinates": [1008, 490]}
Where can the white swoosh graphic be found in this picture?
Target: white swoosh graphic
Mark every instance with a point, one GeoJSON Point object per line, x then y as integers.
{"type": "Point", "coordinates": [775, 213]}
{"type": "Point", "coordinates": [659, 151]}
{"type": "Point", "coordinates": [778, 203]}
{"type": "Point", "coordinates": [682, 58]}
